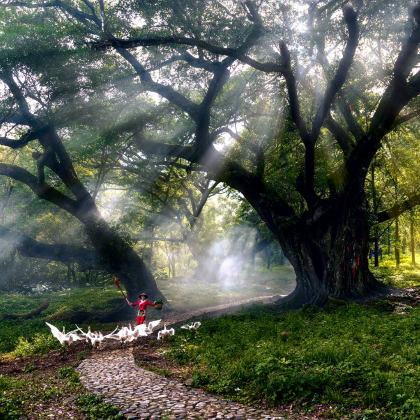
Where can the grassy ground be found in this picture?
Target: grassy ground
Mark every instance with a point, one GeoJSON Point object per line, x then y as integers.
{"type": "Point", "coordinates": [28, 337]}
{"type": "Point", "coordinates": [405, 275]}
{"type": "Point", "coordinates": [187, 292]}
{"type": "Point", "coordinates": [356, 360]}
{"type": "Point", "coordinates": [353, 361]}
{"type": "Point", "coordinates": [52, 393]}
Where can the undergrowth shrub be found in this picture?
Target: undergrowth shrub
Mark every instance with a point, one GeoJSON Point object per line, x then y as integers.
{"type": "Point", "coordinates": [40, 344]}
{"type": "Point", "coordinates": [70, 373]}
{"type": "Point", "coordinates": [93, 407]}
{"type": "Point", "coordinates": [10, 407]}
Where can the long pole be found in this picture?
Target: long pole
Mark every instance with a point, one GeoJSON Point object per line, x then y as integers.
{"type": "Point", "coordinates": [118, 287]}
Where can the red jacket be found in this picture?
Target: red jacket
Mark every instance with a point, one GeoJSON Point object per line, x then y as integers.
{"type": "Point", "coordinates": [143, 304]}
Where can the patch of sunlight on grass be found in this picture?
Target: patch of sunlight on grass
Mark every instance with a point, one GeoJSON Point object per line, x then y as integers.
{"type": "Point", "coordinates": [405, 275]}
{"type": "Point", "coordinates": [191, 292]}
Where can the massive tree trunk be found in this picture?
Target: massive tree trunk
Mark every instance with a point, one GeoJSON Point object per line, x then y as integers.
{"type": "Point", "coordinates": [117, 255]}
{"type": "Point", "coordinates": [329, 253]}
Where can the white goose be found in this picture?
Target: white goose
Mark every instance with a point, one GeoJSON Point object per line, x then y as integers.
{"type": "Point", "coordinates": [151, 326]}
{"type": "Point", "coordinates": [62, 337]}
{"type": "Point", "coordinates": [121, 335]}
{"type": "Point", "coordinates": [193, 327]}
{"type": "Point", "coordinates": [88, 336]}
{"type": "Point", "coordinates": [130, 334]}
{"type": "Point", "coordinates": [139, 331]}
{"type": "Point", "coordinates": [162, 334]}
{"type": "Point", "coordinates": [96, 340]}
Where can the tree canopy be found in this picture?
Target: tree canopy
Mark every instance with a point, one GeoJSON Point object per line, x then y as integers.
{"type": "Point", "coordinates": [288, 103]}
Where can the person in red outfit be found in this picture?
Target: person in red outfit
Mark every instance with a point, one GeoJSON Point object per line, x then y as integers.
{"type": "Point", "coordinates": [143, 304]}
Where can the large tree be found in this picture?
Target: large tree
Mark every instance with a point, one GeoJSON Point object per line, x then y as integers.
{"type": "Point", "coordinates": [34, 85]}
{"type": "Point", "coordinates": [313, 118]}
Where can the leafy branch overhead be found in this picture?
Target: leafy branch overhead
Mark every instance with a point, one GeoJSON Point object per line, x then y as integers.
{"type": "Point", "coordinates": [282, 103]}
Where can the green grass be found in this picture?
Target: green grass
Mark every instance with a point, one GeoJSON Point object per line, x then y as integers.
{"type": "Point", "coordinates": [91, 299]}
{"type": "Point", "coordinates": [404, 276]}
{"type": "Point", "coordinates": [30, 337]}
{"type": "Point", "coordinates": [351, 358]}
{"type": "Point", "coordinates": [187, 292]}
{"type": "Point", "coordinates": [18, 396]}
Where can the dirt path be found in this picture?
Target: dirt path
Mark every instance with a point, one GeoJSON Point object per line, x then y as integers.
{"type": "Point", "coordinates": [175, 317]}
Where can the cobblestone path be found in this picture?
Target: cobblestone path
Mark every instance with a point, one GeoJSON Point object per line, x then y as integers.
{"type": "Point", "coordinates": [145, 395]}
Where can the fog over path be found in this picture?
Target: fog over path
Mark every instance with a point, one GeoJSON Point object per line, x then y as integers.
{"type": "Point", "coordinates": [215, 311]}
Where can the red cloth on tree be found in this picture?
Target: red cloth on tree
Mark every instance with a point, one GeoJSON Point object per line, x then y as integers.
{"type": "Point", "coordinates": [143, 304]}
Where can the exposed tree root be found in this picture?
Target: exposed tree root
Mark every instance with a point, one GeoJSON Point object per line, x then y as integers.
{"type": "Point", "coordinates": [298, 298]}
{"type": "Point", "coordinates": [35, 312]}
{"type": "Point", "coordinates": [121, 312]}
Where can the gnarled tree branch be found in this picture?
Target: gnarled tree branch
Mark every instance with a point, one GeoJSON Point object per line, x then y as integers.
{"type": "Point", "coordinates": [398, 209]}
{"type": "Point", "coordinates": [28, 247]}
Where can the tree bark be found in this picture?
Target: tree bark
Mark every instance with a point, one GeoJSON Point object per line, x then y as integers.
{"type": "Point", "coordinates": [68, 276]}
{"type": "Point", "coordinates": [268, 257]}
{"type": "Point", "coordinates": [413, 249]}
{"type": "Point", "coordinates": [118, 257]}
{"type": "Point", "coordinates": [389, 240]}
{"type": "Point", "coordinates": [330, 254]}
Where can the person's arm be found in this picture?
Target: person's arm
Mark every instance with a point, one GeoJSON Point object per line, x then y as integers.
{"type": "Point", "coordinates": [149, 303]}
{"type": "Point", "coordinates": [131, 304]}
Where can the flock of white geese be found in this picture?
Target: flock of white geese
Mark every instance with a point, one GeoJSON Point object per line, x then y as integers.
{"type": "Point", "coordinates": [124, 335]}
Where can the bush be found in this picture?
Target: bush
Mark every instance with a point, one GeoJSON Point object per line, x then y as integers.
{"type": "Point", "coordinates": [70, 373]}
{"type": "Point", "coordinates": [10, 407]}
{"type": "Point", "coordinates": [5, 382]}
{"type": "Point", "coordinates": [40, 344]}
{"type": "Point", "coordinates": [28, 368]}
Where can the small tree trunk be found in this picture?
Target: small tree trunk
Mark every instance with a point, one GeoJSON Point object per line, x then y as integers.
{"type": "Point", "coordinates": [173, 264]}
{"type": "Point", "coordinates": [413, 249]}
{"type": "Point", "coordinates": [73, 273]}
{"type": "Point", "coordinates": [397, 242]}
{"type": "Point", "coordinates": [68, 276]}
{"type": "Point", "coordinates": [389, 240]}
{"type": "Point", "coordinates": [268, 257]}
{"type": "Point", "coordinates": [376, 253]}
{"type": "Point", "coordinates": [254, 254]}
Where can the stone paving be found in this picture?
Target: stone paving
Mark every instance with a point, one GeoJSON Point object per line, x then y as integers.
{"type": "Point", "coordinates": [145, 395]}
